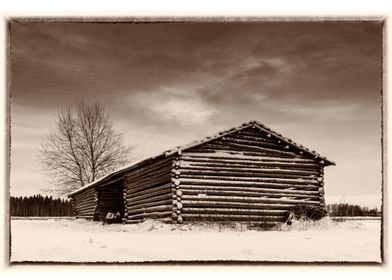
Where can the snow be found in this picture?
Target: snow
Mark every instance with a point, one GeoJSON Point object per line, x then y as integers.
{"type": "Point", "coordinates": [85, 241]}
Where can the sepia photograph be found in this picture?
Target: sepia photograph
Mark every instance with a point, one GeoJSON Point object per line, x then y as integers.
{"type": "Point", "coordinates": [195, 140]}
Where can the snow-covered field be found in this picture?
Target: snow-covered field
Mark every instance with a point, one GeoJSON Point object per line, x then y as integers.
{"type": "Point", "coordinates": [84, 241]}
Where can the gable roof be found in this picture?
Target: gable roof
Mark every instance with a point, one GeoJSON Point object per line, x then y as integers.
{"type": "Point", "coordinates": [179, 149]}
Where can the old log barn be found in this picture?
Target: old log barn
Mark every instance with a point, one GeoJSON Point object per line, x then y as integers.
{"type": "Point", "coordinates": [248, 173]}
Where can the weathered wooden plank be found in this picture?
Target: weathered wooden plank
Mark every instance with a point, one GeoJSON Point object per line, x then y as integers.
{"type": "Point", "coordinates": [240, 180]}
{"type": "Point", "coordinates": [254, 151]}
{"type": "Point", "coordinates": [148, 176]}
{"type": "Point", "coordinates": [236, 211]}
{"type": "Point", "coordinates": [151, 199]}
{"type": "Point", "coordinates": [147, 195]}
{"type": "Point", "coordinates": [185, 181]}
{"type": "Point", "coordinates": [245, 193]}
{"type": "Point", "coordinates": [149, 169]}
{"type": "Point", "coordinates": [85, 196]}
{"type": "Point", "coordinates": [249, 199]}
{"type": "Point", "coordinates": [151, 209]}
{"type": "Point", "coordinates": [150, 215]}
{"type": "Point", "coordinates": [86, 211]}
{"type": "Point", "coordinates": [240, 157]}
{"type": "Point", "coordinates": [247, 168]}
{"type": "Point", "coordinates": [156, 188]}
{"type": "Point", "coordinates": [131, 207]}
{"type": "Point", "coordinates": [84, 208]}
{"type": "Point", "coordinates": [257, 141]}
{"type": "Point", "coordinates": [229, 204]}
{"type": "Point", "coordinates": [248, 173]}
{"type": "Point", "coordinates": [249, 147]}
{"type": "Point", "coordinates": [222, 217]}
{"type": "Point", "coordinates": [146, 185]}
{"type": "Point", "coordinates": [201, 188]}
{"type": "Point", "coordinates": [243, 166]}
{"type": "Point", "coordinates": [116, 181]}
{"type": "Point", "coordinates": [85, 204]}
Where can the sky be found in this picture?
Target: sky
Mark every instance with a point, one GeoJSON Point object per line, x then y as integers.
{"type": "Point", "coordinates": [166, 84]}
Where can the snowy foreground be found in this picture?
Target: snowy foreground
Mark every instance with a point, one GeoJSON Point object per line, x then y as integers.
{"type": "Point", "coordinates": [84, 241]}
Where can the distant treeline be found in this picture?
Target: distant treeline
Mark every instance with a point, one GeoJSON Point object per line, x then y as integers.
{"type": "Point", "coordinates": [39, 205]}
{"type": "Point", "coordinates": [345, 209]}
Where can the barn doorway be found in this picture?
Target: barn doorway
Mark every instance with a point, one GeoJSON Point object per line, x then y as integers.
{"type": "Point", "coordinates": [110, 200]}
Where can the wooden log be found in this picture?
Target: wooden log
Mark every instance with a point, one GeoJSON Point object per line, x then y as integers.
{"type": "Point", "coordinates": [155, 198]}
{"type": "Point", "coordinates": [261, 142]}
{"type": "Point", "coordinates": [240, 180]}
{"type": "Point", "coordinates": [249, 151]}
{"type": "Point", "coordinates": [91, 202]}
{"type": "Point", "coordinates": [149, 204]}
{"type": "Point", "coordinates": [246, 183]}
{"type": "Point", "coordinates": [151, 182]}
{"type": "Point", "coordinates": [250, 199]}
{"type": "Point", "coordinates": [229, 204]}
{"type": "Point", "coordinates": [244, 147]}
{"type": "Point", "coordinates": [245, 173]}
{"type": "Point", "coordinates": [162, 208]}
{"type": "Point", "coordinates": [150, 215]}
{"type": "Point", "coordinates": [191, 168]}
{"type": "Point", "coordinates": [90, 211]}
{"type": "Point", "coordinates": [241, 157]}
{"type": "Point", "coordinates": [111, 182]}
{"type": "Point", "coordinates": [141, 192]}
{"type": "Point", "coordinates": [148, 195]}
{"type": "Point", "coordinates": [150, 177]}
{"type": "Point", "coordinates": [90, 198]}
{"type": "Point", "coordinates": [223, 217]}
{"type": "Point", "coordinates": [223, 165]}
{"type": "Point", "coordinates": [253, 132]}
{"type": "Point", "coordinates": [85, 209]}
{"type": "Point", "coordinates": [146, 188]}
{"type": "Point", "coordinates": [148, 170]}
{"type": "Point", "coordinates": [86, 192]}
{"type": "Point", "coordinates": [235, 211]}
{"type": "Point", "coordinates": [84, 205]}
{"type": "Point", "coordinates": [245, 193]}
{"type": "Point", "coordinates": [201, 188]}
{"type": "Point", "coordinates": [253, 139]}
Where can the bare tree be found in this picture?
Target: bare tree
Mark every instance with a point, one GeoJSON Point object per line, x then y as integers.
{"type": "Point", "coordinates": [82, 148]}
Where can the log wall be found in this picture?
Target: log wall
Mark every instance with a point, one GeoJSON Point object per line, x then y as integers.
{"type": "Point", "coordinates": [147, 192]}
{"type": "Point", "coordinates": [85, 203]}
{"type": "Point", "coordinates": [247, 176]}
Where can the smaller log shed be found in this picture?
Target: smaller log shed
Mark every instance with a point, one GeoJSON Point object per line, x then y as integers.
{"type": "Point", "coordinates": [249, 173]}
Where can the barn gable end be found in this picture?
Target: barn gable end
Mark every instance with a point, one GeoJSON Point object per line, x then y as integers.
{"type": "Point", "coordinates": [247, 175]}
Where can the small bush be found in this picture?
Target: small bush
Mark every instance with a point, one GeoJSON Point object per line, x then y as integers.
{"type": "Point", "coordinates": [312, 212]}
